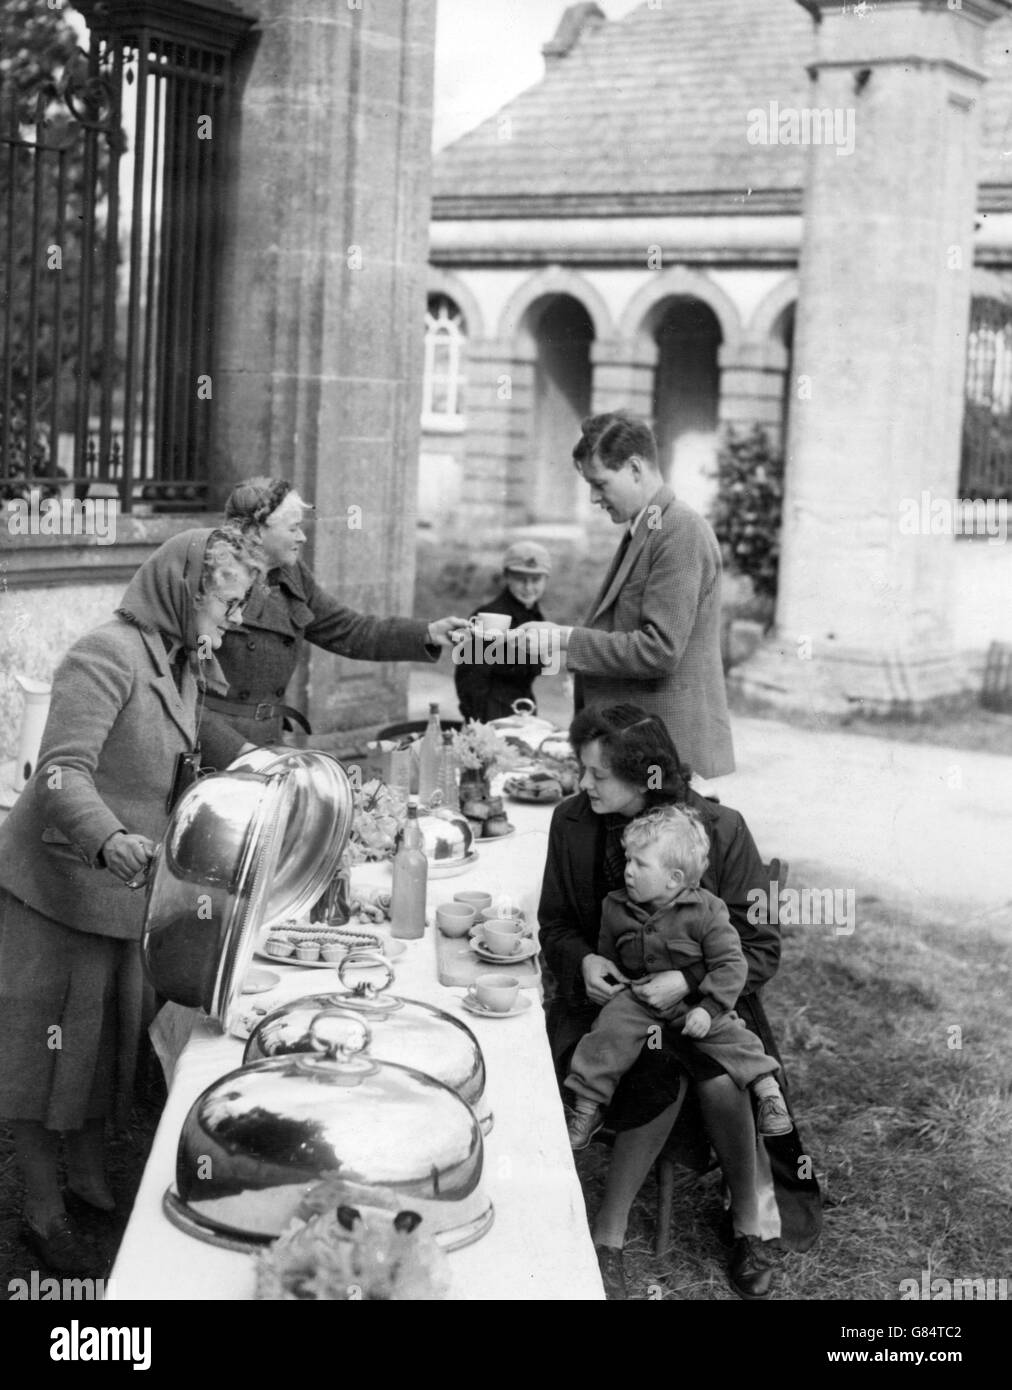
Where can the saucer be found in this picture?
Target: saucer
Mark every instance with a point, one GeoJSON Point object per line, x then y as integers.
{"type": "Point", "coordinates": [258, 981]}
{"type": "Point", "coordinates": [473, 1007]}
{"type": "Point", "coordinates": [528, 948]}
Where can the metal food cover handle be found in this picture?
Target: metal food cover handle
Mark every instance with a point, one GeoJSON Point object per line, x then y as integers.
{"type": "Point", "coordinates": [359, 958]}
{"type": "Point", "coordinates": [340, 1036]}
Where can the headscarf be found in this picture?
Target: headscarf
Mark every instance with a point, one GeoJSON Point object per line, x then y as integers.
{"type": "Point", "coordinates": [162, 596]}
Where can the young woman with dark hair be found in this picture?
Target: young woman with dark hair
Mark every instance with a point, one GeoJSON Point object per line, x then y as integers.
{"type": "Point", "coordinates": [629, 763]}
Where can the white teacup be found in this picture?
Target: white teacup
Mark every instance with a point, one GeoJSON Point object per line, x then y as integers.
{"type": "Point", "coordinates": [495, 992]}
{"type": "Point", "coordinates": [455, 919]}
{"type": "Point", "coordinates": [490, 622]}
{"type": "Point", "coordinates": [503, 910]}
{"type": "Point", "coordinates": [503, 937]}
{"type": "Point", "coordinates": [479, 901]}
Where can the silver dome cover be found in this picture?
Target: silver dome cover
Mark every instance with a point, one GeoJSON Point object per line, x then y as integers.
{"type": "Point", "coordinates": [258, 1141]}
{"type": "Point", "coordinates": [242, 850]}
{"type": "Point", "coordinates": [406, 1031]}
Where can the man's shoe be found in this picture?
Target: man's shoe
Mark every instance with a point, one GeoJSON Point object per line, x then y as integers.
{"type": "Point", "coordinates": [583, 1124]}
{"type": "Point", "coordinates": [61, 1249]}
{"type": "Point", "coordinates": [750, 1271]}
{"type": "Point", "coordinates": [612, 1265]}
{"type": "Point", "coordinates": [773, 1116]}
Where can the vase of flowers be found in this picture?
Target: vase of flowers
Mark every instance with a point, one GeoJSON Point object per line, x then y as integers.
{"type": "Point", "coordinates": [480, 753]}
{"type": "Point", "coordinates": [380, 812]}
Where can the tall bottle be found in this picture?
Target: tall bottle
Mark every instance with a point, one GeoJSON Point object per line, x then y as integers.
{"type": "Point", "coordinates": [428, 756]}
{"type": "Point", "coordinates": [448, 773]}
{"type": "Point", "coordinates": [411, 876]}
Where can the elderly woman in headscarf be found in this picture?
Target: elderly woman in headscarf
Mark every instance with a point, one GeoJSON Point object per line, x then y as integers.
{"type": "Point", "coordinates": [260, 656]}
{"type": "Point", "coordinates": [73, 1000]}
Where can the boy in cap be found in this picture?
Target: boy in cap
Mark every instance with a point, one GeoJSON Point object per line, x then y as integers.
{"type": "Point", "coordinates": [486, 689]}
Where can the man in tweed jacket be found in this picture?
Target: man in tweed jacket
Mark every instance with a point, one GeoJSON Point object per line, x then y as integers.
{"type": "Point", "coordinates": [652, 633]}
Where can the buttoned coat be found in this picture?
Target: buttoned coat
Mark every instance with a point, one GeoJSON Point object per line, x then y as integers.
{"type": "Point", "coordinates": [116, 723]}
{"type": "Point", "coordinates": [259, 657]}
{"type": "Point", "coordinates": [572, 895]}
{"type": "Point", "coordinates": [652, 634]}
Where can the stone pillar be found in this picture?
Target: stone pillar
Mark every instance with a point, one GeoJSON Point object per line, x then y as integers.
{"type": "Point", "coordinates": [321, 306]}
{"type": "Point", "coordinates": [863, 609]}
{"type": "Point", "coordinates": [623, 376]}
{"type": "Point", "coordinates": [500, 406]}
{"type": "Point", "coordinates": [752, 378]}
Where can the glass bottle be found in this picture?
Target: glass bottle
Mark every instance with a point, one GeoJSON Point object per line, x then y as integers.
{"type": "Point", "coordinates": [428, 756]}
{"type": "Point", "coordinates": [448, 773]}
{"type": "Point", "coordinates": [411, 875]}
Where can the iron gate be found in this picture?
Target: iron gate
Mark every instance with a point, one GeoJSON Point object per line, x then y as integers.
{"type": "Point", "coordinates": [111, 232]}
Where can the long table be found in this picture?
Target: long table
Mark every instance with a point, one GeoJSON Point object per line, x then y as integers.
{"type": "Point", "coordinates": [539, 1246]}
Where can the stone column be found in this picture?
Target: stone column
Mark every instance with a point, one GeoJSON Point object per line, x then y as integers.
{"type": "Point", "coordinates": [752, 387]}
{"type": "Point", "coordinates": [863, 610]}
{"type": "Point", "coordinates": [321, 306]}
{"type": "Point", "coordinates": [500, 405]}
{"type": "Point", "coordinates": [623, 376]}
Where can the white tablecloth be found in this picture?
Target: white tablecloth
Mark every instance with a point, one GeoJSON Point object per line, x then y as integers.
{"type": "Point", "coordinates": [539, 1246]}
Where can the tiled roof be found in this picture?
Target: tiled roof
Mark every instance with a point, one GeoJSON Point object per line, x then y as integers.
{"type": "Point", "coordinates": [652, 109]}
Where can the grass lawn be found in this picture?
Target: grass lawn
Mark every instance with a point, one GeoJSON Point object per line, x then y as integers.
{"type": "Point", "coordinates": [910, 1134]}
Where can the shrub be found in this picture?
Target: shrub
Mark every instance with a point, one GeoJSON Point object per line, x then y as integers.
{"type": "Point", "coordinates": [747, 512]}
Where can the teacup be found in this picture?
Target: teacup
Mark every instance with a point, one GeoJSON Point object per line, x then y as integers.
{"type": "Point", "coordinates": [495, 992]}
{"type": "Point", "coordinates": [455, 919]}
{"type": "Point", "coordinates": [503, 910]}
{"type": "Point", "coordinates": [479, 901]}
{"type": "Point", "coordinates": [503, 938]}
{"type": "Point", "coordinates": [490, 622]}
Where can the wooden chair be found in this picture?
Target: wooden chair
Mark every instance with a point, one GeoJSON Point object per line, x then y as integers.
{"type": "Point", "coordinates": [776, 872]}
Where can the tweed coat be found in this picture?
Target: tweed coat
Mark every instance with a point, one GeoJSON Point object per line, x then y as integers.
{"type": "Point", "coordinates": [116, 722]}
{"type": "Point", "coordinates": [259, 657]}
{"type": "Point", "coordinates": [652, 634]}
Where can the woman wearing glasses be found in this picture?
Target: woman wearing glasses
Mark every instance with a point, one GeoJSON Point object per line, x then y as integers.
{"type": "Point", "coordinates": [73, 1000]}
{"type": "Point", "coordinates": [260, 656]}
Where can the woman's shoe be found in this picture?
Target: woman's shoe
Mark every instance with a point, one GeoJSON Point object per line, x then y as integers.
{"type": "Point", "coordinates": [61, 1248]}
{"type": "Point", "coordinates": [750, 1271]}
{"type": "Point", "coordinates": [612, 1265]}
{"type": "Point", "coordinates": [88, 1206]}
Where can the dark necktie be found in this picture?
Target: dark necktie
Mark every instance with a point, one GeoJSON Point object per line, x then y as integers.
{"type": "Point", "coordinates": [623, 546]}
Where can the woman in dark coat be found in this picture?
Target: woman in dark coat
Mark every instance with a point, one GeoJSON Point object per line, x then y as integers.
{"type": "Point", "coordinates": [630, 763]}
{"type": "Point", "coordinates": [259, 657]}
{"type": "Point", "coordinates": [72, 994]}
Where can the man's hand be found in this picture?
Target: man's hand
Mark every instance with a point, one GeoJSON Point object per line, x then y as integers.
{"type": "Point", "coordinates": [663, 992]}
{"type": "Point", "coordinates": [127, 855]}
{"type": "Point", "coordinates": [556, 634]}
{"type": "Point", "coordinates": [599, 979]}
{"type": "Point", "coordinates": [697, 1024]}
{"type": "Point", "coordinates": [440, 632]}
